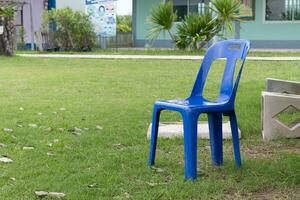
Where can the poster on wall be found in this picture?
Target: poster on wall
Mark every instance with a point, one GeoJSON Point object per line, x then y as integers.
{"type": "Point", "coordinates": [103, 16]}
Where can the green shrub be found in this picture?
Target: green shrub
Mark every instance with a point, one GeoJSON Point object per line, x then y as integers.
{"type": "Point", "coordinates": [73, 29]}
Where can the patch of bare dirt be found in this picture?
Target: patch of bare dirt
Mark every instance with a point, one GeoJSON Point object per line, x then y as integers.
{"type": "Point", "coordinates": [267, 150]}
{"type": "Point", "coordinates": [265, 194]}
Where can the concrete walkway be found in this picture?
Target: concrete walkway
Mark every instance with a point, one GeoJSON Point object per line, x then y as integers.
{"type": "Point", "coordinates": [148, 57]}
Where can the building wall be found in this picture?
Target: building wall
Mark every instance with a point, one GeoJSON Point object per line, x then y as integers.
{"type": "Point", "coordinates": [261, 30]}
{"type": "Point", "coordinates": [37, 12]}
{"type": "Point", "coordinates": [262, 34]}
{"type": "Point", "coordinates": [141, 11]}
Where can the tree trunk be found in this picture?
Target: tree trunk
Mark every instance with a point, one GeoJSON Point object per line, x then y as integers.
{"type": "Point", "coordinates": [7, 38]}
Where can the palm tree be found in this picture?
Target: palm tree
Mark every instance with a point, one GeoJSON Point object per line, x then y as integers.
{"type": "Point", "coordinates": [196, 30]}
{"type": "Point", "coordinates": [162, 19]}
{"type": "Point", "coordinates": [227, 13]}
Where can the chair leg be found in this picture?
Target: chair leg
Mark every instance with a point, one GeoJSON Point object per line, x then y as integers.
{"type": "Point", "coordinates": [235, 138]}
{"type": "Point", "coordinates": [216, 137]}
{"type": "Point", "coordinates": [190, 123]}
{"type": "Point", "coordinates": [154, 133]}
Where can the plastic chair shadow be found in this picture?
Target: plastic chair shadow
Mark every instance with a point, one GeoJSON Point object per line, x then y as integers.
{"type": "Point", "coordinates": [196, 104]}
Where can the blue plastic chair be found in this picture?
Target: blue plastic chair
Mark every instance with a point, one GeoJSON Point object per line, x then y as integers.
{"type": "Point", "coordinates": [196, 104]}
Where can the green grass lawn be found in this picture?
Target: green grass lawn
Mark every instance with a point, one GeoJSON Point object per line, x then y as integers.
{"type": "Point", "coordinates": [112, 163]}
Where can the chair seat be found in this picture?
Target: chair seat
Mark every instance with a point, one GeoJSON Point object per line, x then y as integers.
{"type": "Point", "coordinates": [198, 103]}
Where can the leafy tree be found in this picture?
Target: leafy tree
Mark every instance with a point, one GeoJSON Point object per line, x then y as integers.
{"type": "Point", "coordinates": [73, 29]}
{"type": "Point", "coordinates": [124, 23]}
{"type": "Point", "coordinates": [8, 36]}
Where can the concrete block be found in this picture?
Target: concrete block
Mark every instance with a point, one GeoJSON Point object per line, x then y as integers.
{"type": "Point", "coordinates": [283, 86]}
{"type": "Point", "coordinates": [175, 129]}
{"type": "Point", "coordinates": [273, 104]}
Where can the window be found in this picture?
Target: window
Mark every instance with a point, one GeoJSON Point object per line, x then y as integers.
{"type": "Point", "coordinates": [247, 11]}
{"type": "Point", "coordinates": [197, 6]}
{"type": "Point", "coordinates": [183, 7]}
{"type": "Point", "coordinates": [282, 10]}
{"type": "Point", "coordinates": [180, 7]}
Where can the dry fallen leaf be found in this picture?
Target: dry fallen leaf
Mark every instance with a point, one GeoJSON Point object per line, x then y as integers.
{"type": "Point", "coordinates": [76, 133]}
{"type": "Point", "coordinates": [94, 185]}
{"type": "Point", "coordinates": [12, 178]}
{"type": "Point", "coordinates": [8, 130]}
{"type": "Point", "coordinates": [33, 125]}
{"type": "Point", "coordinates": [42, 194]}
{"type": "Point", "coordinates": [77, 129]}
{"type": "Point", "coordinates": [55, 140]}
{"type": "Point", "coordinates": [158, 170]}
{"type": "Point", "coordinates": [5, 159]}
{"type": "Point", "coordinates": [127, 196]}
{"type": "Point", "coordinates": [56, 194]}
{"type": "Point", "coordinates": [50, 154]}
{"type": "Point", "coordinates": [48, 129]}
{"type": "Point", "coordinates": [28, 148]}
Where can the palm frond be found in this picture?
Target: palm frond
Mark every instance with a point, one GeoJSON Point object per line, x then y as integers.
{"type": "Point", "coordinates": [227, 13]}
{"type": "Point", "coordinates": [161, 19]}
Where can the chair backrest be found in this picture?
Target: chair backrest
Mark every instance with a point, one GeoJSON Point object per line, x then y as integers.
{"type": "Point", "coordinates": [232, 51]}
